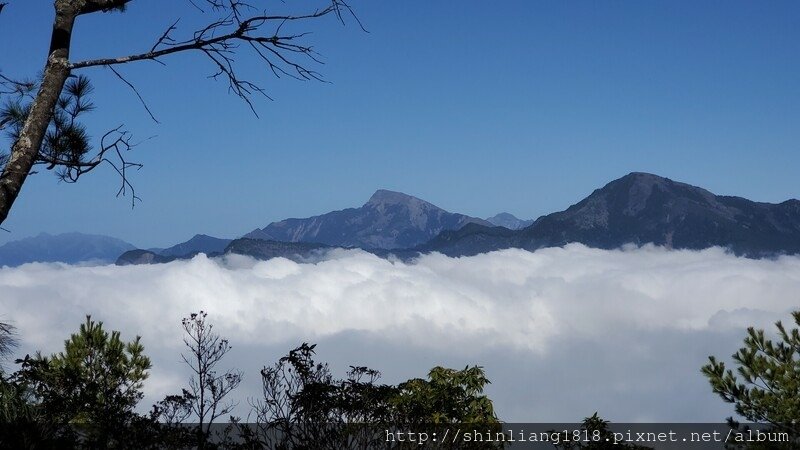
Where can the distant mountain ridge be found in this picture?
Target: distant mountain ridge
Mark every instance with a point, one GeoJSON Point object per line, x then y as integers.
{"type": "Point", "coordinates": [389, 220]}
{"type": "Point", "coordinates": [255, 248]}
{"type": "Point", "coordinates": [643, 208]}
{"type": "Point", "coordinates": [139, 256]}
{"type": "Point", "coordinates": [199, 243]}
{"type": "Point", "coordinates": [70, 248]}
{"type": "Point", "coordinates": [509, 221]}
{"type": "Point", "coordinates": [639, 208]}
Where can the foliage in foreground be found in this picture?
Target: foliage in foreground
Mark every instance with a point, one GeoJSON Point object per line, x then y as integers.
{"type": "Point", "coordinates": [87, 395]}
{"type": "Point", "coordinates": [598, 437]}
{"type": "Point", "coordinates": [766, 385]}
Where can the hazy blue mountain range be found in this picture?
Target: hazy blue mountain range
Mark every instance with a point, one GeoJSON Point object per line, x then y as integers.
{"type": "Point", "coordinates": [638, 208]}
{"type": "Point", "coordinates": [389, 220]}
{"type": "Point", "coordinates": [642, 208]}
{"type": "Point", "coordinates": [509, 221]}
{"type": "Point", "coordinates": [68, 248]}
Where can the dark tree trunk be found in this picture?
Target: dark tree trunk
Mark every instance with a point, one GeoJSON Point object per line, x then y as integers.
{"type": "Point", "coordinates": [26, 149]}
{"type": "Point", "coordinates": [216, 42]}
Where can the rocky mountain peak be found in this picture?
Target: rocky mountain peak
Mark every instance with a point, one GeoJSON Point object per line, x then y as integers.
{"type": "Point", "coordinates": [389, 220]}
{"type": "Point", "coordinates": [638, 192]}
{"type": "Point", "coordinates": [387, 197]}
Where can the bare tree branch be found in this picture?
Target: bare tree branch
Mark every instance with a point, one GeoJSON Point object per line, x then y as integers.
{"type": "Point", "coordinates": [16, 87]}
{"type": "Point", "coordinates": [207, 388]}
{"type": "Point", "coordinates": [216, 44]}
{"type": "Point", "coordinates": [41, 120]}
{"type": "Point", "coordinates": [113, 146]}
{"type": "Point", "coordinates": [165, 38]}
{"type": "Point", "coordinates": [135, 91]}
{"type": "Point", "coordinates": [219, 41]}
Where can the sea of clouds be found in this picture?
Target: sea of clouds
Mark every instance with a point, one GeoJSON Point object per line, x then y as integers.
{"type": "Point", "coordinates": [561, 332]}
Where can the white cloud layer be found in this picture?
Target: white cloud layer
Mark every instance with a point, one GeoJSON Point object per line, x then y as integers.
{"type": "Point", "coordinates": [562, 332]}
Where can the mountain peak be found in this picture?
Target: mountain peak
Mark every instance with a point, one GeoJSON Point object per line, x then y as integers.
{"type": "Point", "coordinates": [509, 221]}
{"type": "Point", "coordinates": [503, 216]}
{"type": "Point", "coordinates": [384, 196]}
{"type": "Point", "coordinates": [640, 192]}
{"type": "Point", "coordinates": [644, 179]}
{"type": "Point", "coordinates": [643, 208]}
{"type": "Point", "coordinates": [644, 175]}
{"type": "Point", "coordinates": [389, 220]}
{"type": "Point", "coordinates": [199, 243]}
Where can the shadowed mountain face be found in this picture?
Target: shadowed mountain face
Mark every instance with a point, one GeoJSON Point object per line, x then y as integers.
{"type": "Point", "coordinates": [642, 208]}
{"type": "Point", "coordinates": [255, 248]}
{"type": "Point", "coordinates": [261, 249]}
{"type": "Point", "coordinates": [68, 248]}
{"type": "Point", "coordinates": [200, 243]}
{"type": "Point", "coordinates": [388, 220]}
{"type": "Point", "coordinates": [135, 257]}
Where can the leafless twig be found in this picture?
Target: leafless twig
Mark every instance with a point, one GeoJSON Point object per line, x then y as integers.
{"type": "Point", "coordinates": [135, 91]}
{"type": "Point", "coordinates": [219, 41]}
{"type": "Point", "coordinates": [113, 146]}
{"type": "Point", "coordinates": [16, 87]}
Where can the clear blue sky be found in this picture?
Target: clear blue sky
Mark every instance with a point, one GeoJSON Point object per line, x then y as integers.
{"type": "Point", "coordinates": [479, 107]}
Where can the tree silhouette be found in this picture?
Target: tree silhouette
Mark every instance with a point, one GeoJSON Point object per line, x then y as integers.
{"type": "Point", "coordinates": [595, 434]}
{"type": "Point", "coordinates": [41, 115]}
{"type": "Point", "coordinates": [766, 385]}
{"type": "Point", "coordinates": [447, 396]}
{"type": "Point", "coordinates": [8, 341]}
{"type": "Point", "coordinates": [207, 387]}
{"type": "Point", "coordinates": [87, 395]}
{"type": "Point", "coordinates": [87, 392]}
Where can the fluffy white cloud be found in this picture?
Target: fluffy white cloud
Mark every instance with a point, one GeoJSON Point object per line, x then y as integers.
{"type": "Point", "coordinates": [562, 332]}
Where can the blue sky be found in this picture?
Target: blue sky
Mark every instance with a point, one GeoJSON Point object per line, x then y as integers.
{"type": "Point", "coordinates": [478, 107]}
